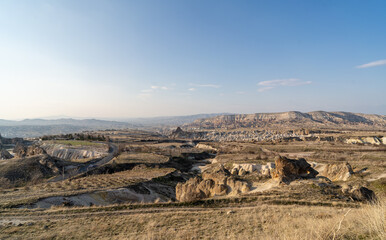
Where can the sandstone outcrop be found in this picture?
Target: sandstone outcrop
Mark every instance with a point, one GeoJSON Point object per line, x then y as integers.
{"type": "Point", "coordinates": [335, 172]}
{"type": "Point", "coordinates": [206, 147]}
{"type": "Point", "coordinates": [292, 119]}
{"type": "Point", "coordinates": [4, 154]}
{"type": "Point", "coordinates": [179, 133]}
{"type": "Point", "coordinates": [363, 194]}
{"type": "Point", "coordinates": [366, 140]}
{"type": "Point", "coordinates": [264, 170]}
{"type": "Point", "coordinates": [214, 182]}
{"type": "Point", "coordinates": [290, 169]}
{"type": "Point", "coordinates": [69, 153]}
{"type": "Point", "coordinates": [359, 193]}
{"type": "Point", "coordinates": [26, 151]}
{"type": "Point", "coordinates": [49, 163]}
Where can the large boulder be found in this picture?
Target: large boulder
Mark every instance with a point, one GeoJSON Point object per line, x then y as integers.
{"type": "Point", "coordinates": [214, 182]}
{"type": "Point", "coordinates": [290, 169]}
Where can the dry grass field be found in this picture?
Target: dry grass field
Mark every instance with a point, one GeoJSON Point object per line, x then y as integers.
{"type": "Point", "coordinates": [69, 187]}
{"type": "Point", "coordinates": [142, 158]}
{"type": "Point", "coordinates": [260, 221]}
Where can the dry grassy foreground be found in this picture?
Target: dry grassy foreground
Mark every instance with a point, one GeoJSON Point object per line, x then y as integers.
{"type": "Point", "coordinates": [258, 222]}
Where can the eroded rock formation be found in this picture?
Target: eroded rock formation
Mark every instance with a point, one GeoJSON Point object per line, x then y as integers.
{"type": "Point", "coordinates": [69, 153]}
{"type": "Point", "coordinates": [25, 151]}
{"type": "Point", "coordinates": [4, 154]}
{"type": "Point", "coordinates": [242, 169]}
{"type": "Point", "coordinates": [290, 169]}
{"type": "Point", "coordinates": [214, 182]}
{"type": "Point", "coordinates": [359, 193]}
{"type": "Point", "coordinates": [363, 194]}
{"type": "Point", "coordinates": [335, 171]}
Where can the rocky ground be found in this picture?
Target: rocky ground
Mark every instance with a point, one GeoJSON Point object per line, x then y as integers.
{"type": "Point", "coordinates": [160, 187]}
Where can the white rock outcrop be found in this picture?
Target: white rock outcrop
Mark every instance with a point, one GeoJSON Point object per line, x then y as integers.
{"type": "Point", "coordinates": [367, 140]}
{"type": "Point", "coordinates": [264, 170]}
{"type": "Point", "coordinates": [69, 153]}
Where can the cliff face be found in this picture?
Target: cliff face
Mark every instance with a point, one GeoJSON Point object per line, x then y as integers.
{"type": "Point", "coordinates": [293, 119]}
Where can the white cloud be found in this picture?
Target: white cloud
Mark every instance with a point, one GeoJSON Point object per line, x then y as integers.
{"type": "Point", "coordinates": [373, 64]}
{"type": "Point", "coordinates": [154, 88]}
{"type": "Point", "coordinates": [241, 93]}
{"type": "Point", "coordinates": [159, 87]}
{"type": "Point", "coordinates": [192, 89]}
{"type": "Point", "coordinates": [290, 82]}
{"type": "Point", "coordinates": [206, 85]}
{"type": "Point", "coordinates": [264, 89]}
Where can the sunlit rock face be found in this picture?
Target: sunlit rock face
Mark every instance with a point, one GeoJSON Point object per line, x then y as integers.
{"type": "Point", "coordinates": [290, 169]}
{"type": "Point", "coordinates": [214, 182]}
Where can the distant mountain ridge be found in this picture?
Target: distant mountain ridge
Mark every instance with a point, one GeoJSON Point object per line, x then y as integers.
{"type": "Point", "coordinates": [40, 127]}
{"type": "Point", "coordinates": [170, 120]}
{"type": "Point", "coordinates": [316, 119]}
{"type": "Point", "coordinates": [62, 121]}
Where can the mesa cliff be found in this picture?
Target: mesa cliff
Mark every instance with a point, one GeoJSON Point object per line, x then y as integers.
{"type": "Point", "coordinates": [293, 119]}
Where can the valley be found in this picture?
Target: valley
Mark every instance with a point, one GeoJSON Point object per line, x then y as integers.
{"type": "Point", "coordinates": [176, 185]}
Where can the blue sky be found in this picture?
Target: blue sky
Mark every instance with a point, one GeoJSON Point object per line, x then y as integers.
{"type": "Point", "coordinates": [121, 59]}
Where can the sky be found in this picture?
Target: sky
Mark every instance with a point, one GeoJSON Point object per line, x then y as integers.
{"type": "Point", "coordinates": [141, 58]}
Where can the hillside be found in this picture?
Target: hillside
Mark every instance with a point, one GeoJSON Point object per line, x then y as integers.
{"type": "Point", "coordinates": [40, 127]}
{"type": "Point", "coordinates": [293, 119]}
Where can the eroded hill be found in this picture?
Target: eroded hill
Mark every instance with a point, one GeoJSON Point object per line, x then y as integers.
{"type": "Point", "coordinates": [293, 119]}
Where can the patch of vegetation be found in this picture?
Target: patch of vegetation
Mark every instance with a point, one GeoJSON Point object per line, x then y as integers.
{"type": "Point", "coordinates": [76, 143]}
{"type": "Point", "coordinates": [379, 186]}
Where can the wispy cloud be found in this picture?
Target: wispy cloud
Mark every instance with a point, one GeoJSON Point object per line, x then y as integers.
{"type": "Point", "coordinates": [271, 84]}
{"type": "Point", "coordinates": [146, 93]}
{"type": "Point", "coordinates": [263, 89]}
{"type": "Point", "coordinates": [205, 85]}
{"type": "Point", "coordinates": [192, 89]}
{"type": "Point", "coordinates": [373, 64]}
{"type": "Point", "coordinates": [159, 87]}
{"type": "Point", "coordinates": [241, 92]}
{"type": "Point", "coordinates": [154, 88]}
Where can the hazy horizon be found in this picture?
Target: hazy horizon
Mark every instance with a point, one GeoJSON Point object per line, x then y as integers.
{"type": "Point", "coordinates": [123, 119]}
{"type": "Point", "coordinates": [136, 59]}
